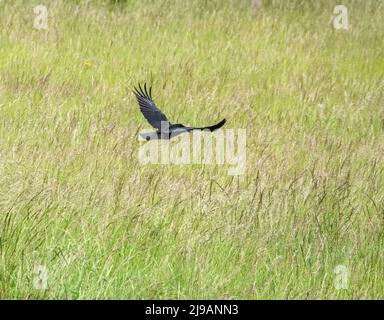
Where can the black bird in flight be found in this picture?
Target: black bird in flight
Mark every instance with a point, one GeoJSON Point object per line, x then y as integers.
{"type": "Point", "coordinates": [158, 120]}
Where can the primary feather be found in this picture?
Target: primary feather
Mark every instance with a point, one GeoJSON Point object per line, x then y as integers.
{"type": "Point", "coordinates": [148, 107]}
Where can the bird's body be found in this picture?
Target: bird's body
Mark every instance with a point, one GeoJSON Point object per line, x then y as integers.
{"type": "Point", "coordinates": [158, 120]}
{"type": "Point", "coordinates": [164, 134]}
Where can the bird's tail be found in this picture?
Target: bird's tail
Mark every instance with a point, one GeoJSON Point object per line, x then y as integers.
{"type": "Point", "coordinates": [212, 128]}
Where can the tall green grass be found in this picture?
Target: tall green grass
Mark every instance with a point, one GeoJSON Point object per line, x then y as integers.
{"type": "Point", "coordinates": [75, 198]}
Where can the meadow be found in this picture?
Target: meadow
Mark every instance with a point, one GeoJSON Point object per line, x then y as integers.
{"type": "Point", "coordinates": [77, 205]}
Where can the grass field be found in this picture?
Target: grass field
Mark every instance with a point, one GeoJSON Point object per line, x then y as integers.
{"type": "Point", "coordinates": [75, 199]}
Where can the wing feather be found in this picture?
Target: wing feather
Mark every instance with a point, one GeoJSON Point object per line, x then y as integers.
{"type": "Point", "coordinates": [148, 107]}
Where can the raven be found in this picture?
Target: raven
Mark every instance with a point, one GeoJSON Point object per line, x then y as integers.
{"type": "Point", "coordinates": [158, 120]}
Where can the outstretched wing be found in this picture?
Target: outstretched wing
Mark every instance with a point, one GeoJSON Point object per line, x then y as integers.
{"type": "Point", "coordinates": [148, 107]}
